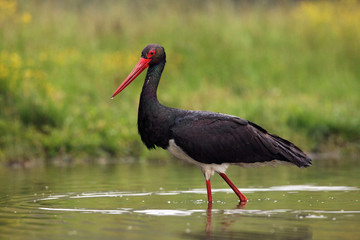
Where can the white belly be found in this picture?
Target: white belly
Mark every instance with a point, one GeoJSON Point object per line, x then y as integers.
{"type": "Point", "coordinates": [208, 169]}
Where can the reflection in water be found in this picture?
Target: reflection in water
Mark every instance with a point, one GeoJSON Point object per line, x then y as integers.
{"type": "Point", "coordinates": [95, 202]}
{"type": "Point", "coordinates": [227, 222]}
{"type": "Point", "coordinates": [236, 223]}
{"type": "Point", "coordinates": [241, 205]}
{"type": "Point", "coordinates": [279, 232]}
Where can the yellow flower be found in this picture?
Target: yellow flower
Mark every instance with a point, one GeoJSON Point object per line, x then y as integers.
{"type": "Point", "coordinates": [15, 60]}
{"type": "Point", "coordinates": [8, 8]}
{"type": "Point", "coordinates": [26, 18]}
{"type": "Point", "coordinates": [338, 18]}
{"type": "Point", "coordinates": [4, 71]}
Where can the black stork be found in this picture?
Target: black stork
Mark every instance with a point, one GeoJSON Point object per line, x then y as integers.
{"type": "Point", "coordinates": [212, 141]}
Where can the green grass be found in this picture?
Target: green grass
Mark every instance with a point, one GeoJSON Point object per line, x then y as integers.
{"type": "Point", "coordinates": [292, 69]}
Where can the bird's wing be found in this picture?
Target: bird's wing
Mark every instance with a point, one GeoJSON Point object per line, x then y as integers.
{"type": "Point", "coordinates": [218, 138]}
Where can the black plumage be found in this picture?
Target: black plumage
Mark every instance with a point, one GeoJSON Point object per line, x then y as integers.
{"type": "Point", "coordinates": [230, 139]}
{"type": "Point", "coordinates": [208, 138]}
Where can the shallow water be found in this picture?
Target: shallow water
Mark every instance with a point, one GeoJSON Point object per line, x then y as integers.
{"type": "Point", "coordinates": [167, 200]}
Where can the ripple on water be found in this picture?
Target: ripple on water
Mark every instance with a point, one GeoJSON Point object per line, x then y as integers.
{"type": "Point", "coordinates": [171, 212]}
{"type": "Point", "coordinates": [130, 211]}
{"type": "Point", "coordinates": [287, 188]}
{"type": "Point", "coordinates": [314, 214]}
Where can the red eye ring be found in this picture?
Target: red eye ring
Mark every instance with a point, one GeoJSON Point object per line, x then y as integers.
{"type": "Point", "coordinates": [150, 53]}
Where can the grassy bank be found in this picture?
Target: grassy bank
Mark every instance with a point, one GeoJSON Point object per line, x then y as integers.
{"type": "Point", "coordinates": [292, 69]}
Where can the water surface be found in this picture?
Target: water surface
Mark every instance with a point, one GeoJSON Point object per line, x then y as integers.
{"type": "Point", "coordinates": [167, 200]}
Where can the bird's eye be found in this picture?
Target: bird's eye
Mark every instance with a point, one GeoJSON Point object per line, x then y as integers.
{"type": "Point", "coordinates": [151, 53]}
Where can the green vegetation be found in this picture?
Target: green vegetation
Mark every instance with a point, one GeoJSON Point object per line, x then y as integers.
{"type": "Point", "coordinates": [292, 69]}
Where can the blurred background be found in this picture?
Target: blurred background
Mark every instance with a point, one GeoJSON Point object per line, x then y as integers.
{"type": "Point", "coordinates": [290, 66]}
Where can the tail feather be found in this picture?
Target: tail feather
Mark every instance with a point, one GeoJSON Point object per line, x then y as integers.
{"type": "Point", "coordinates": [290, 152]}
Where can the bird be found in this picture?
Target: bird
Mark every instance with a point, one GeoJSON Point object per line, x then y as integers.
{"type": "Point", "coordinates": [212, 141]}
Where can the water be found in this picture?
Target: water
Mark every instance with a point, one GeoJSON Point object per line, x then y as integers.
{"type": "Point", "coordinates": [167, 200]}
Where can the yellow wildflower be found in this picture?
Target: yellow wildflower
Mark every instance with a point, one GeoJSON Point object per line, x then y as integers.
{"type": "Point", "coordinates": [4, 71]}
{"type": "Point", "coordinates": [7, 8]}
{"type": "Point", "coordinates": [15, 60]}
{"type": "Point", "coordinates": [336, 17]}
{"type": "Point", "coordinates": [26, 18]}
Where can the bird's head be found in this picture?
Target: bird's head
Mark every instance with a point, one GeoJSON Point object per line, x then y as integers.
{"type": "Point", "coordinates": [153, 52]}
{"type": "Point", "coordinates": [151, 55]}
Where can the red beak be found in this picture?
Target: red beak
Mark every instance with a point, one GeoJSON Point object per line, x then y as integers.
{"type": "Point", "coordinates": [140, 66]}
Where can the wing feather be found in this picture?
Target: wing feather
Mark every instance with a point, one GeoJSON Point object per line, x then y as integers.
{"type": "Point", "coordinates": [219, 138]}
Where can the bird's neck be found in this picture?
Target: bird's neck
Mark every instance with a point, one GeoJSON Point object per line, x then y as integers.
{"type": "Point", "coordinates": [148, 93]}
{"type": "Point", "coordinates": [153, 118]}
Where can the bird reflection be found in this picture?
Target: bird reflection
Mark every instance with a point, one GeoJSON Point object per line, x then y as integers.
{"type": "Point", "coordinates": [241, 205]}
{"type": "Point", "coordinates": [252, 226]}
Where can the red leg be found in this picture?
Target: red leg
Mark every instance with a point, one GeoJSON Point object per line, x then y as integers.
{"type": "Point", "coordinates": [208, 188]}
{"type": "Point", "coordinates": [208, 220]}
{"type": "Point", "coordinates": [241, 196]}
